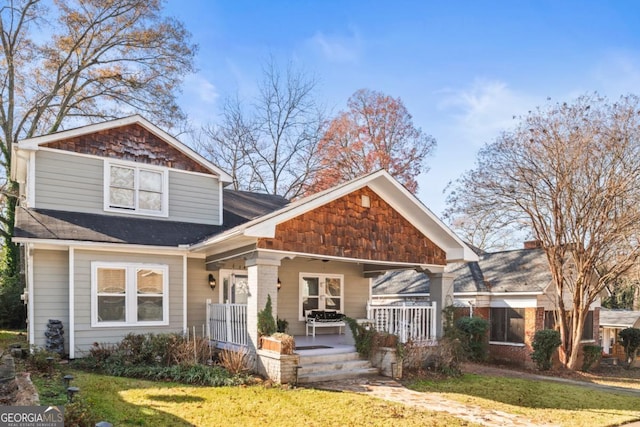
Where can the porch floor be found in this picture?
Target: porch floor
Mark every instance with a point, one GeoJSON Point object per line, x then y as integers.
{"type": "Point", "coordinates": [327, 343]}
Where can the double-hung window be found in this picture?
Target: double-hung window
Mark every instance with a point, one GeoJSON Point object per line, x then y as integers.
{"type": "Point", "coordinates": [135, 189]}
{"type": "Point", "coordinates": [507, 325]}
{"type": "Point", "coordinates": [129, 294]}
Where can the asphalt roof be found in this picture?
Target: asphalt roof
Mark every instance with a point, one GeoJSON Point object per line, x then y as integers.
{"type": "Point", "coordinates": [239, 207]}
{"type": "Point", "coordinates": [625, 318]}
{"type": "Point", "coordinates": [522, 270]}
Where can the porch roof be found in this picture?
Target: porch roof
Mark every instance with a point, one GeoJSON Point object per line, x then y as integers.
{"type": "Point", "coordinates": [381, 182]}
{"type": "Point", "coordinates": [619, 318]}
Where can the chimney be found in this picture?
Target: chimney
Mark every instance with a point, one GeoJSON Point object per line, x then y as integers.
{"type": "Point", "coordinates": [533, 244]}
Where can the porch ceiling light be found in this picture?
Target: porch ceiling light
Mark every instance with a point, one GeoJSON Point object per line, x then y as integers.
{"type": "Point", "coordinates": [212, 281]}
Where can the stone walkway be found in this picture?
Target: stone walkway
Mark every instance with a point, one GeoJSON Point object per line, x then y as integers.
{"type": "Point", "coordinates": [388, 389]}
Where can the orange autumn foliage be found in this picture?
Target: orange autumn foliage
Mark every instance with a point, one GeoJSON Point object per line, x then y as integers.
{"type": "Point", "coordinates": [376, 132]}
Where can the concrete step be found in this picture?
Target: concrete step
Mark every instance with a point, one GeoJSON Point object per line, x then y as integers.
{"type": "Point", "coordinates": [336, 366]}
{"type": "Point", "coordinates": [327, 367]}
{"type": "Point", "coordinates": [327, 358]}
{"type": "Point", "coordinates": [336, 375]}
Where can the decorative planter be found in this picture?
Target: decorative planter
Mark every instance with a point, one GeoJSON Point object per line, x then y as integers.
{"type": "Point", "coordinates": [271, 344]}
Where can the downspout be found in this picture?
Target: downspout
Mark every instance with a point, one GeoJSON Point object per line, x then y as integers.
{"type": "Point", "coordinates": [72, 303]}
{"type": "Point", "coordinates": [185, 329]}
{"type": "Point", "coordinates": [30, 295]}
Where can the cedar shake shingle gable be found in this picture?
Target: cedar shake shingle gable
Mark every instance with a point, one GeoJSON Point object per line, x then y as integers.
{"type": "Point", "coordinates": [131, 143]}
{"type": "Point", "coordinates": [345, 228]}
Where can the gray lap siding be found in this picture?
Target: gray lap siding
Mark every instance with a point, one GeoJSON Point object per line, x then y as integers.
{"type": "Point", "coordinates": [85, 334]}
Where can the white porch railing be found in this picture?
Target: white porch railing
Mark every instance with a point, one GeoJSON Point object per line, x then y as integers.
{"type": "Point", "coordinates": [415, 322]}
{"type": "Point", "coordinates": [227, 323]}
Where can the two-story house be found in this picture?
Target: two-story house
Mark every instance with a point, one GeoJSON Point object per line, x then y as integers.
{"type": "Point", "coordinates": [126, 229]}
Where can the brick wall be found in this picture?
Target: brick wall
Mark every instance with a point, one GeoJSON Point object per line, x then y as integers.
{"type": "Point", "coordinates": [279, 368]}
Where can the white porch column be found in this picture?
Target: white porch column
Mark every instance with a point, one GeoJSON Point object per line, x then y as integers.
{"type": "Point", "coordinates": [441, 291]}
{"type": "Point", "coordinates": [262, 270]}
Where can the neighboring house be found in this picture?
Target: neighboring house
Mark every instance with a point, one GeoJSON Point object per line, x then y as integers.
{"type": "Point", "coordinates": [125, 229]}
{"type": "Point", "coordinates": [611, 323]}
{"type": "Point", "coordinates": [512, 289]}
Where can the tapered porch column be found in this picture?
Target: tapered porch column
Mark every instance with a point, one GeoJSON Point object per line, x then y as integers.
{"type": "Point", "coordinates": [262, 270]}
{"type": "Point", "coordinates": [441, 291]}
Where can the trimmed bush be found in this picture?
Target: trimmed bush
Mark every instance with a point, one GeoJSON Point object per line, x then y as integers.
{"type": "Point", "coordinates": [630, 340]}
{"type": "Point", "coordinates": [545, 343]}
{"type": "Point", "coordinates": [266, 322]}
{"type": "Point", "coordinates": [592, 355]}
{"type": "Point", "coordinates": [473, 335]}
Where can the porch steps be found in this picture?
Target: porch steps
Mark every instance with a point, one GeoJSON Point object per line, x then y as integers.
{"type": "Point", "coordinates": [327, 367]}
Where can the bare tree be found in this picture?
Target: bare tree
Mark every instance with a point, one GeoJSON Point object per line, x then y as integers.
{"type": "Point", "coordinates": [230, 144]}
{"type": "Point", "coordinates": [270, 146]}
{"type": "Point", "coordinates": [571, 172]}
{"type": "Point", "coordinates": [78, 61]}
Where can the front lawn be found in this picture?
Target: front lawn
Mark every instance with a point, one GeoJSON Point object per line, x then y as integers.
{"type": "Point", "coordinates": [132, 402]}
{"type": "Point", "coordinates": [541, 401]}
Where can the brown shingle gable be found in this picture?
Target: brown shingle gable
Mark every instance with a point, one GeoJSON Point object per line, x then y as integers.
{"type": "Point", "coordinates": [345, 228]}
{"type": "Point", "coordinates": [131, 142]}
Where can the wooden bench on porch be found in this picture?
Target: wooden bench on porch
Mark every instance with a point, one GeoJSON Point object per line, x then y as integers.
{"type": "Point", "coordinates": [324, 319]}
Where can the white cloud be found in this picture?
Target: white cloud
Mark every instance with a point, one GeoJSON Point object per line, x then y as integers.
{"type": "Point", "coordinates": [338, 48]}
{"type": "Point", "coordinates": [202, 89]}
{"type": "Point", "coordinates": [480, 112]}
{"type": "Point", "coordinates": [618, 73]}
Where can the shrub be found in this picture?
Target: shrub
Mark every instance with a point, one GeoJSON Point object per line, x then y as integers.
{"type": "Point", "coordinates": [281, 325]}
{"type": "Point", "coordinates": [266, 322]}
{"type": "Point", "coordinates": [287, 342]}
{"type": "Point", "coordinates": [234, 361]}
{"type": "Point", "coordinates": [473, 337]}
{"type": "Point", "coordinates": [545, 343]}
{"type": "Point", "coordinates": [630, 340]}
{"type": "Point", "coordinates": [592, 355]}
{"type": "Point", "coordinates": [363, 335]}
{"type": "Point", "coordinates": [445, 358]}
{"type": "Point", "coordinates": [79, 413]}
{"type": "Point", "coordinates": [38, 362]}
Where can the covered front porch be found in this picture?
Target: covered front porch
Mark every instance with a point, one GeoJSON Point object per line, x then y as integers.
{"type": "Point", "coordinates": [319, 254]}
{"type": "Point", "coordinates": [417, 323]}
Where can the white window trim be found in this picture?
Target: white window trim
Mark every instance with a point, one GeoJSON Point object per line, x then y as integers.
{"type": "Point", "coordinates": [321, 277]}
{"type": "Point", "coordinates": [137, 167]}
{"type": "Point", "coordinates": [130, 294]}
{"type": "Point", "coordinates": [507, 343]}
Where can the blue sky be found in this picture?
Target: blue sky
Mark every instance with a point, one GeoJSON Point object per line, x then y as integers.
{"type": "Point", "coordinates": [462, 68]}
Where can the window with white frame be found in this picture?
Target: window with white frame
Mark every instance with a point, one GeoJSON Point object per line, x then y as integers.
{"type": "Point", "coordinates": [321, 292]}
{"type": "Point", "coordinates": [135, 189]}
{"type": "Point", "coordinates": [129, 294]}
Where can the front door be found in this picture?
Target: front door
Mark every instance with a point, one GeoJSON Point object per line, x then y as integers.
{"type": "Point", "coordinates": [235, 286]}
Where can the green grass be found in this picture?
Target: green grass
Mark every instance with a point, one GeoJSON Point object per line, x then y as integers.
{"type": "Point", "coordinates": [12, 337]}
{"type": "Point", "coordinates": [130, 402]}
{"type": "Point", "coordinates": [540, 401]}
